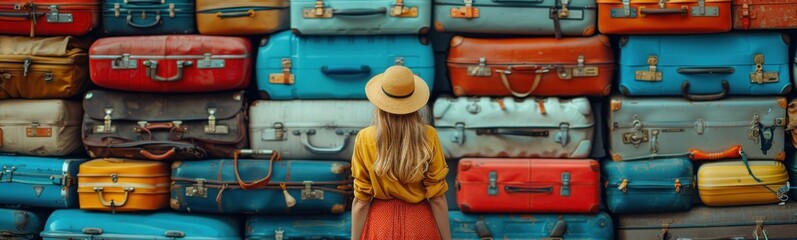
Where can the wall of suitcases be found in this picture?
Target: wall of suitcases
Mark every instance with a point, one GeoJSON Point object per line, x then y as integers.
{"type": "Point", "coordinates": [560, 119]}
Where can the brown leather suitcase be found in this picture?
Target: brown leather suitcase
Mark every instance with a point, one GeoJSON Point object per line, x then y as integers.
{"type": "Point", "coordinates": [37, 68]}
{"type": "Point", "coordinates": [522, 67]}
{"type": "Point", "coordinates": [764, 14]}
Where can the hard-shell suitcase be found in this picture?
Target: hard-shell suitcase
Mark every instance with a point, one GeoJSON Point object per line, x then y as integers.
{"type": "Point", "coordinates": [122, 185]}
{"type": "Point", "coordinates": [39, 182]}
{"type": "Point", "coordinates": [241, 17]}
{"type": "Point", "coordinates": [522, 67]}
{"type": "Point", "coordinates": [489, 185]}
{"type": "Point", "coordinates": [335, 67]}
{"type": "Point", "coordinates": [748, 222]}
{"type": "Point", "coordinates": [261, 186]}
{"type": "Point", "coordinates": [148, 17]}
{"type": "Point", "coordinates": [175, 63]}
{"type": "Point", "coordinates": [40, 127]}
{"type": "Point", "coordinates": [360, 17]}
{"type": "Point", "coordinates": [664, 17]}
{"type": "Point", "coordinates": [764, 14]}
{"type": "Point", "coordinates": [531, 226]}
{"type": "Point", "coordinates": [49, 17]}
{"type": "Point", "coordinates": [541, 17]}
{"type": "Point", "coordinates": [79, 224]}
{"type": "Point", "coordinates": [37, 68]}
{"type": "Point", "coordinates": [516, 128]}
{"type": "Point", "coordinates": [288, 126]}
{"type": "Point", "coordinates": [164, 126]}
{"type": "Point", "coordinates": [328, 227]}
{"type": "Point", "coordinates": [736, 183]}
{"type": "Point", "coordinates": [649, 127]}
{"type": "Point", "coordinates": [656, 185]}
{"type": "Point", "coordinates": [705, 67]}
{"type": "Point", "coordinates": [18, 224]}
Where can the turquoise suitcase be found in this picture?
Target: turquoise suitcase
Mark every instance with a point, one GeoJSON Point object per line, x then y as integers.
{"type": "Point", "coordinates": [649, 186]}
{"type": "Point", "coordinates": [360, 17]}
{"type": "Point", "coordinates": [39, 181]}
{"type": "Point", "coordinates": [531, 226]}
{"type": "Point", "coordinates": [148, 17]}
{"type": "Point", "coordinates": [326, 227]}
{"type": "Point", "coordinates": [17, 224]}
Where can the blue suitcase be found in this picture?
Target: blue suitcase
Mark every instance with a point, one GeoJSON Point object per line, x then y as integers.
{"type": "Point", "coordinates": [39, 181]}
{"type": "Point", "coordinates": [649, 186]}
{"type": "Point", "coordinates": [530, 226]}
{"type": "Point", "coordinates": [20, 224]}
{"type": "Point", "coordinates": [360, 17]}
{"type": "Point", "coordinates": [704, 67]}
{"type": "Point", "coordinates": [335, 67]}
{"type": "Point", "coordinates": [148, 17]}
{"type": "Point", "coordinates": [327, 227]}
{"type": "Point", "coordinates": [79, 224]}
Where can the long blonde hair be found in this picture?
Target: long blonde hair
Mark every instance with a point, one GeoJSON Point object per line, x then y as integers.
{"type": "Point", "coordinates": [403, 151]}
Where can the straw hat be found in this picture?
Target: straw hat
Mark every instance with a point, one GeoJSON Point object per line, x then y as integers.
{"type": "Point", "coordinates": [397, 91]}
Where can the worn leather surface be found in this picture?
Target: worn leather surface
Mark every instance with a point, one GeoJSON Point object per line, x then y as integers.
{"type": "Point", "coordinates": [246, 17]}
{"type": "Point", "coordinates": [85, 16]}
{"type": "Point", "coordinates": [58, 121]}
{"type": "Point", "coordinates": [764, 14]}
{"type": "Point", "coordinates": [645, 192]}
{"type": "Point", "coordinates": [57, 67]}
{"type": "Point", "coordinates": [149, 180]}
{"type": "Point", "coordinates": [674, 23]}
{"type": "Point", "coordinates": [729, 183]}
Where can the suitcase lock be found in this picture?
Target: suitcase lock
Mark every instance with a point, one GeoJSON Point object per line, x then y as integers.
{"type": "Point", "coordinates": [468, 11]}
{"type": "Point", "coordinates": [563, 136]}
{"type": "Point", "coordinates": [212, 127]}
{"type": "Point", "coordinates": [492, 183]}
{"type": "Point", "coordinates": [197, 190]}
{"type": "Point", "coordinates": [107, 126]}
{"type": "Point", "coordinates": [759, 76]}
{"type": "Point", "coordinates": [285, 77]}
{"type": "Point", "coordinates": [399, 10]}
{"type": "Point", "coordinates": [55, 17]}
{"type": "Point", "coordinates": [626, 12]}
{"type": "Point", "coordinates": [637, 136]}
{"type": "Point", "coordinates": [652, 74]}
{"type": "Point", "coordinates": [482, 70]}
{"type": "Point", "coordinates": [8, 171]}
{"type": "Point", "coordinates": [308, 193]}
{"type": "Point", "coordinates": [319, 11]}
{"type": "Point", "coordinates": [207, 62]}
{"type": "Point", "coordinates": [459, 134]}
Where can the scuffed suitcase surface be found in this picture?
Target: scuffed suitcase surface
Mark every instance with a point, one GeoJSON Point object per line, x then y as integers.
{"type": "Point", "coordinates": [18, 224]}
{"type": "Point", "coordinates": [36, 17]}
{"type": "Point", "coordinates": [327, 227]}
{"type": "Point", "coordinates": [655, 185]}
{"type": "Point", "coordinates": [242, 17]}
{"type": "Point", "coordinates": [38, 181]}
{"type": "Point", "coordinates": [764, 14]}
{"type": "Point", "coordinates": [360, 17]}
{"type": "Point", "coordinates": [731, 184]}
{"type": "Point", "coordinates": [42, 68]}
{"type": "Point", "coordinates": [663, 17]}
{"type": "Point", "coordinates": [530, 226]}
{"type": "Point", "coordinates": [53, 129]}
{"type": "Point", "coordinates": [148, 17]}
{"type": "Point", "coordinates": [123, 185]}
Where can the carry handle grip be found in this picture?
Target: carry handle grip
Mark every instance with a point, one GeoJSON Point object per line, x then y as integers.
{"type": "Point", "coordinates": [305, 138]}
{"type": "Point", "coordinates": [732, 152]}
{"type": "Point", "coordinates": [482, 230]}
{"type": "Point", "coordinates": [146, 1]}
{"type": "Point", "coordinates": [518, 1]}
{"type": "Point", "coordinates": [706, 70]}
{"type": "Point", "coordinates": [536, 82]}
{"type": "Point", "coordinates": [359, 12]}
{"type": "Point", "coordinates": [362, 70]}
{"type": "Point", "coordinates": [17, 16]}
{"type": "Point", "coordinates": [250, 13]}
{"type": "Point", "coordinates": [112, 203]}
{"type": "Point", "coordinates": [513, 132]}
{"type": "Point", "coordinates": [148, 25]}
{"type": "Point", "coordinates": [260, 183]}
{"type": "Point", "coordinates": [157, 157]}
{"type": "Point", "coordinates": [705, 97]}
{"type": "Point", "coordinates": [528, 189]}
{"type": "Point", "coordinates": [152, 70]}
{"type": "Point", "coordinates": [682, 10]}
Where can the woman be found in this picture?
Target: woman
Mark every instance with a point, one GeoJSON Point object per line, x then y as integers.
{"type": "Point", "coordinates": [398, 165]}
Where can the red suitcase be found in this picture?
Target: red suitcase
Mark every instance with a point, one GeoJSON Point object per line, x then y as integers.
{"type": "Point", "coordinates": [172, 63]}
{"type": "Point", "coordinates": [528, 185]}
{"type": "Point", "coordinates": [48, 17]}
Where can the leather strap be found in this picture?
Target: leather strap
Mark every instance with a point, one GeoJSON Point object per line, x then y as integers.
{"type": "Point", "coordinates": [260, 183]}
{"type": "Point", "coordinates": [505, 81]}
{"type": "Point", "coordinates": [556, 23]}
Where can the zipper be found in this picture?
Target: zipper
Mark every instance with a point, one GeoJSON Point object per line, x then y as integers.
{"type": "Point", "coordinates": [240, 9]}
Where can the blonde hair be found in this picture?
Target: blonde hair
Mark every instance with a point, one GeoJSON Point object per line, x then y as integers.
{"type": "Point", "coordinates": [403, 151]}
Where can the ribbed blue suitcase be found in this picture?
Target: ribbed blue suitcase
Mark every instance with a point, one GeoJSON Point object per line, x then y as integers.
{"type": "Point", "coordinates": [703, 67]}
{"type": "Point", "coordinates": [148, 17]}
{"type": "Point", "coordinates": [335, 67]}
{"type": "Point", "coordinates": [656, 185]}
{"type": "Point", "coordinates": [326, 227]}
{"type": "Point", "coordinates": [79, 224]}
{"type": "Point", "coordinates": [20, 224]}
{"type": "Point", "coordinates": [531, 226]}
{"type": "Point", "coordinates": [39, 181]}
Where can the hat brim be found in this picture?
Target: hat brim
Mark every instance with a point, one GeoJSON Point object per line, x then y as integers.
{"type": "Point", "coordinates": [416, 101]}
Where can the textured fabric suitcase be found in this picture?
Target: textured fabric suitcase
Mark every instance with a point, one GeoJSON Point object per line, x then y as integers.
{"type": "Point", "coordinates": [36, 68]}
{"type": "Point", "coordinates": [748, 222]}
{"type": "Point", "coordinates": [327, 227]}
{"type": "Point", "coordinates": [541, 17]}
{"type": "Point", "coordinates": [171, 63]}
{"type": "Point", "coordinates": [360, 17]}
{"type": "Point", "coordinates": [164, 126]}
{"type": "Point", "coordinates": [530, 226]}
{"type": "Point", "coordinates": [49, 17]}
{"type": "Point", "coordinates": [656, 185]}
{"type": "Point", "coordinates": [261, 186]}
{"type": "Point", "coordinates": [764, 14]}
{"type": "Point", "coordinates": [115, 184]}
{"type": "Point", "coordinates": [40, 127]}
{"type": "Point", "coordinates": [664, 17]}
{"type": "Point", "coordinates": [309, 129]}
{"type": "Point", "coordinates": [725, 64]}
{"type": "Point", "coordinates": [148, 17]}
{"type": "Point", "coordinates": [335, 67]}
{"type": "Point", "coordinates": [522, 67]}
{"type": "Point", "coordinates": [17, 224]}
{"type": "Point", "coordinates": [78, 224]}
{"type": "Point", "coordinates": [241, 17]}
{"type": "Point", "coordinates": [489, 185]}
{"type": "Point", "coordinates": [649, 127]}
{"type": "Point", "coordinates": [39, 182]}
{"type": "Point", "coordinates": [506, 127]}
{"type": "Point", "coordinates": [736, 183]}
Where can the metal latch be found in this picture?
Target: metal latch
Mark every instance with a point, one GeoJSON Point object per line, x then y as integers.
{"type": "Point", "coordinates": [459, 134]}
{"type": "Point", "coordinates": [117, 10]}
{"type": "Point", "coordinates": [759, 76]}
{"type": "Point", "coordinates": [703, 11]}
{"type": "Point", "coordinates": [212, 127]}
{"type": "Point", "coordinates": [35, 131]}
{"type": "Point", "coordinates": [9, 172]}
{"type": "Point", "coordinates": [565, 191]}
{"type": "Point", "coordinates": [124, 62]}
{"type": "Point", "coordinates": [581, 70]}
{"type": "Point", "coordinates": [654, 141]}
{"type": "Point", "coordinates": [106, 127]}
{"type": "Point", "coordinates": [755, 129]}
{"type": "Point", "coordinates": [279, 234]}
{"type": "Point", "coordinates": [625, 12]}
{"type": "Point", "coordinates": [492, 183]}
{"type": "Point", "coordinates": [399, 61]}
{"type": "Point", "coordinates": [636, 136]}
{"type": "Point", "coordinates": [481, 70]}
{"type": "Point", "coordinates": [48, 77]}
{"type": "Point", "coordinates": [319, 11]}
{"type": "Point", "coordinates": [308, 193]}
{"type": "Point", "coordinates": [677, 185]}
{"type": "Point", "coordinates": [700, 126]}
{"type": "Point", "coordinates": [173, 234]}
{"type": "Point", "coordinates": [399, 10]}
{"type": "Point", "coordinates": [468, 11]}
{"type": "Point", "coordinates": [26, 66]}
{"type": "Point", "coordinates": [286, 77]}
{"type": "Point", "coordinates": [564, 12]}
{"type": "Point", "coordinates": [197, 190]}
{"type": "Point", "coordinates": [652, 74]}
{"type": "Point", "coordinates": [623, 185]}
{"type": "Point", "coordinates": [563, 136]}
{"type": "Point", "coordinates": [55, 17]}
{"type": "Point", "coordinates": [207, 62]}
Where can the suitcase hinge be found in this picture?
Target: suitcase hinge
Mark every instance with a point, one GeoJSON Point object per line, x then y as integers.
{"type": "Point", "coordinates": [563, 136]}
{"type": "Point", "coordinates": [482, 70]}
{"type": "Point", "coordinates": [626, 12]}
{"type": "Point", "coordinates": [107, 126]}
{"type": "Point", "coordinates": [492, 183]}
{"type": "Point", "coordinates": [399, 10]}
{"type": "Point", "coordinates": [279, 234]}
{"type": "Point", "coordinates": [55, 17]}
{"type": "Point", "coordinates": [623, 185]}
{"type": "Point", "coordinates": [212, 127]}
{"type": "Point", "coordinates": [124, 62]}
{"type": "Point", "coordinates": [468, 11]}
{"type": "Point", "coordinates": [459, 134]}
{"type": "Point", "coordinates": [197, 190]}
{"type": "Point", "coordinates": [637, 136]}
{"type": "Point", "coordinates": [9, 172]}
{"type": "Point", "coordinates": [319, 11]}
{"type": "Point", "coordinates": [286, 77]}
{"type": "Point", "coordinates": [565, 191]}
{"type": "Point", "coordinates": [26, 66]}
{"type": "Point", "coordinates": [652, 74]}
{"type": "Point", "coordinates": [759, 76]}
{"type": "Point", "coordinates": [207, 62]}
{"type": "Point", "coordinates": [35, 131]}
{"type": "Point", "coordinates": [308, 193]}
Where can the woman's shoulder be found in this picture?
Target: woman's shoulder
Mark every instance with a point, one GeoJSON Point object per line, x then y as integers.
{"type": "Point", "coordinates": [366, 134]}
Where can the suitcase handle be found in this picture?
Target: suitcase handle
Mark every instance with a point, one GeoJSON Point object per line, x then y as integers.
{"type": "Point", "coordinates": [482, 230]}
{"type": "Point", "coordinates": [152, 70]}
{"type": "Point", "coordinates": [523, 189]}
{"type": "Point", "coordinates": [732, 152]}
{"type": "Point", "coordinates": [513, 132]}
{"type": "Point", "coordinates": [157, 157]}
{"type": "Point", "coordinates": [359, 12]}
{"type": "Point", "coordinates": [250, 13]}
{"type": "Point", "coordinates": [683, 10]}
{"type": "Point", "coordinates": [706, 70]}
{"type": "Point", "coordinates": [534, 85]}
{"type": "Point", "coordinates": [257, 184]}
{"type": "Point", "coordinates": [305, 137]}
{"type": "Point", "coordinates": [518, 1]}
{"type": "Point", "coordinates": [146, 1]}
{"type": "Point", "coordinates": [362, 70]}
{"type": "Point", "coordinates": [24, 16]}
{"type": "Point", "coordinates": [705, 97]}
{"type": "Point", "coordinates": [152, 24]}
{"type": "Point", "coordinates": [112, 203]}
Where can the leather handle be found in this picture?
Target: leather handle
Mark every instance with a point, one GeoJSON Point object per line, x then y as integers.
{"type": "Point", "coordinates": [22, 15]}
{"type": "Point", "coordinates": [682, 10]}
{"type": "Point", "coordinates": [113, 203]}
{"type": "Point", "coordinates": [162, 125]}
{"type": "Point", "coordinates": [732, 152]}
{"type": "Point", "coordinates": [513, 132]}
{"type": "Point", "coordinates": [482, 230]}
{"type": "Point", "coordinates": [157, 157]}
{"type": "Point", "coordinates": [534, 84]}
{"type": "Point", "coordinates": [527, 189]}
{"type": "Point", "coordinates": [359, 12]}
{"type": "Point", "coordinates": [260, 183]}
{"type": "Point", "coordinates": [518, 1]}
{"type": "Point", "coordinates": [361, 70]}
{"type": "Point", "coordinates": [148, 25]}
{"type": "Point", "coordinates": [705, 97]}
{"type": "Point", "coordinates": [305, 139]}
{"type": "Point", "coordinates": [146, 1]}
{"type": "Point", "coordinates": [152, 70]}
{"type": "Point", "coordinates": [706, 70]}
{"type": "Point", "coordinates": [250, 13]}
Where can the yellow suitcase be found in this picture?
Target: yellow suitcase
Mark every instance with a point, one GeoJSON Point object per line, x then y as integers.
{"type": "Point", "coordinates": [732, 183]}
{"type": "Point", "coordinates": [123, 185]}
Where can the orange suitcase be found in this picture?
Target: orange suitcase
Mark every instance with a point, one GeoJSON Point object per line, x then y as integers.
{"type": "Point", "coordinates": [114, 184]}
{"type": "Point", "coordinates": [664, 16]}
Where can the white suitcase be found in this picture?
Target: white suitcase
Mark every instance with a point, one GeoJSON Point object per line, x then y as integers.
{"type": "Point", "coordinates": [40, 127]}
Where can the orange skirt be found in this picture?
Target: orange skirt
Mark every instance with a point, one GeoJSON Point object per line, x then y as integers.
{"type": "Point", "coordinates": [399, 220]}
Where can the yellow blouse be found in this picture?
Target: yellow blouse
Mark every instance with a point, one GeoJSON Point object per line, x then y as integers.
{"type": "Point", "coordinates": [367, 184]}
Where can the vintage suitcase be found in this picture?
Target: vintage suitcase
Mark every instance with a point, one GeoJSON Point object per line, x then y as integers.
{"type": "Point", "coordinates": [541, 17]}
{"type": "Point", "coordinates": [736, 183]}
{"type": "Point", "coordinates": [287, 126]}
{"type": "Point", "coordinates": [40, 127]}
{"type": "Point", "coordinates": [49, 17]}
{"type": "Point", "coordinates": [38, 181]}
{"type": "Point", "coordinates": [664, 17]}
{"type": "Point", "coordinates": [171, 63]}
{"type": "Point", "coordinates": [164, 126]}
{"type": "Point", "coordinates": [148, 17]}
{"type": "Point", "coordinates": [37, 68]}
{"type": "Point", "coordinates": [536, 66]}
{"type": "Point", "coordinates": [649, 127]}
{"type": "Point", "coordinates": [18, 224]}
{"type": "Point", "coordinates": [335, 67]}
{"type": "Point", "coordinates": [261, 186]}
{"type": "Point", "coordinates": [327, 227]}
{"type": "Point", "coordinates": [123, 185]}
{"type": "Point", "coordinates": [656, 185]}
{"type": "Point", "coordinates": [360, 17]}
{"type": "Point", "coordinates": [507, 127]}
{"type": "Point", "coordinates": [241, 17]}
{"type": "Point", "coordinates": [79, 224]}
{"type": "Point", "coordinates": [748, 222]}
{"type": "Point", "coordinates": [703, 67]}
{"type": "Point", "coordinates": [764, 14]}
{"type": "Point", "coordinates": [494, 185]}
{"type": "Point", "coordinates": [531, 226]}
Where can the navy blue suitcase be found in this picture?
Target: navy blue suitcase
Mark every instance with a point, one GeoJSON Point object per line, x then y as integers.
{"type": "Point", "coordinates": [39, 181]}
{"type": "Point", "coordinates": [326, 227]}
{"type": "Point", "coordinates": [148, 17]}
{"type": "Point", "coordinates": [20, 224]}
{"type": "Point", "coordinates": [531, 226]}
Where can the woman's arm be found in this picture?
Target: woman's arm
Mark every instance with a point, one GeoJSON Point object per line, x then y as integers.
{"type": "Point", "coordinates": [359, 214]}
{"type": "Point", "coordinates": [440, 212]}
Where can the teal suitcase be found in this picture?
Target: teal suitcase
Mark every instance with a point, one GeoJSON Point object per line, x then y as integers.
{"type": "Point", "coordinates": [326, 227]}
{"type": "Point", "coordinates": [531, 226]}
{"type": "Point", "coordinates": [148, 17]}
{"type": "Point", "coordinates": [18, 224]}
{"type": "Point", "coordinates": [650, 186]}
{"type": "Point", "coordinates": [360, 17]}
{"type": "Point", "coordinates": [39, 181]}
